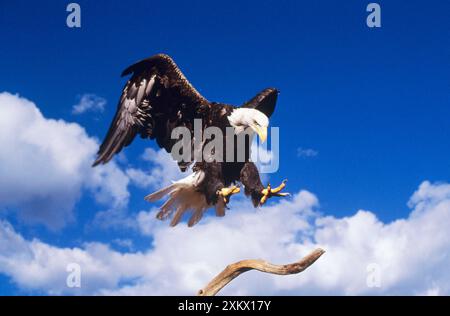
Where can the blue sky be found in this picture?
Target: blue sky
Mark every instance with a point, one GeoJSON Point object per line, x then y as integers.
{"type": "Point", "coordinates": [373, 103]}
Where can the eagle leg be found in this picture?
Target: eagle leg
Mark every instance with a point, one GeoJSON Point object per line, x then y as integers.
{"type": "Point", "coordinates": [269, 192]}
{"type": "Point", "coordinates": [226, 193]}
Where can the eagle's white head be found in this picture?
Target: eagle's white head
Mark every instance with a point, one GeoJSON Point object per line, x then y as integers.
{"type": "Point", "coordinates": [242, 118]}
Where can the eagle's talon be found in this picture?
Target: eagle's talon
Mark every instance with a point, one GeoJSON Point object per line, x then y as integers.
{"type": "Point", "coordinates": [280, 187]}
{"type": "Point", "coordinates": [269, 192]}
{"type": "Point", "coordinates": [281, 194]}
{"type": "Point", "coordinates": [226, 193]}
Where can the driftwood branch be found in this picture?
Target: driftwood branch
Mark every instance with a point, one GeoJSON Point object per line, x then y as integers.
{"type": "Point", "coordinates": [234, 270]}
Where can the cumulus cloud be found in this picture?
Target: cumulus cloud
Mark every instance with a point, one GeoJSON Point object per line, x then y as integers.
{"type": "Point", "coordinates": [89, 102]}
{"type": "Point", "coordinates": [162, 170]}
{"type": "Point", "coordinates": [37, 265]}
{"type": "Point", "coordinates": [113, 219]}
{"type": "Point", "coordinates": [159, 172]}
{"type": "Point", "coordinates": [124, 243]}
{"type": "Point", "coordinates": [409, 254]}
{"type": "Point", "coordinates": [45, 164]}
{"type": "Point", "coordinates": [45, 167]}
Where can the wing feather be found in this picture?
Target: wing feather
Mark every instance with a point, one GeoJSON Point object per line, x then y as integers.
{"type": "Point", "coordinates": [156, 99]}
{"type": "Point", "coordinates": [264, 101]}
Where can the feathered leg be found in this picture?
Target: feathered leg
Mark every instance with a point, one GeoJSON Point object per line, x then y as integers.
{"type": "Point", "coordinates": [253, 186]}
{"type": "Point", "coordinates": [213, 186]}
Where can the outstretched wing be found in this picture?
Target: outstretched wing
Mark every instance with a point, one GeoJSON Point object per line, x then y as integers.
{"type": "Point", "coordinates": [264, 101]}
{"type": "Point", "coordinates": [156, 99]}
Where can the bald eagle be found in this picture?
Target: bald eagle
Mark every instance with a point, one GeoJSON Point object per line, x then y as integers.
{"type": "Point", "coordinates": [158, 98]}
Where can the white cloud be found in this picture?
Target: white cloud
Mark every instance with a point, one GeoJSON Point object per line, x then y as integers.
{"type": "Point", "coordinates": [412, 253]}
{"type": "Point", "coordinates": [36, 265]}
{"type": "Point", "coordinates": [113, 218]}
{"type": "Point", "coordinates": [45, 164]}
{"type": "Point", "coordinates": [163, 169]}
{"type": "Point", "coordinates": [89, 102]}
{"type": "Point", "coordinates": [125, 243]}
{"type": "Point", "coordinates": [108, 183]}
{"type": "Point", "coordinates": [146, 223]}
{"type": "Point", "coordinates": [306, 152]}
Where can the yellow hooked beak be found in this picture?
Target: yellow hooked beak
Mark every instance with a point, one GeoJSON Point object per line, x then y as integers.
{"type": "Point", "coordinates": [261, 131]}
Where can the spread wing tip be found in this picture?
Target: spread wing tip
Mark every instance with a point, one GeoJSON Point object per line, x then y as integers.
{"type": "Point", "coordinates": [96, 163]}
{"type": "Point", "coordinates": [271, 90]}
{"type": "Point", "coordinates": [100, 160]}
{"type": "Point", "coordinates": [264, 101]}
{"type": "Point", "coordinates": [146, 61]}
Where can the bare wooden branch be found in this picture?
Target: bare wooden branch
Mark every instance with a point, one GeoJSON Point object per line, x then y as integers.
{"type": "Point", "coordinates": [232, 271]}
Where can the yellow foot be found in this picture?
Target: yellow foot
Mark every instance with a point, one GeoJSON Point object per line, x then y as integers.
{"type": "Point", "coordinates": [269, 192]}
{"type": "Point", "coordinates": [226, 193]}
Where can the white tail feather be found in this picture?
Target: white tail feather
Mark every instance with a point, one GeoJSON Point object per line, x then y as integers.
{"type": "Point", "coordinates": [158, 195]}
{"type": "Point", "coordinates": [183, 196]}
{"type": "Point", "coordinates": [177, 217]}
